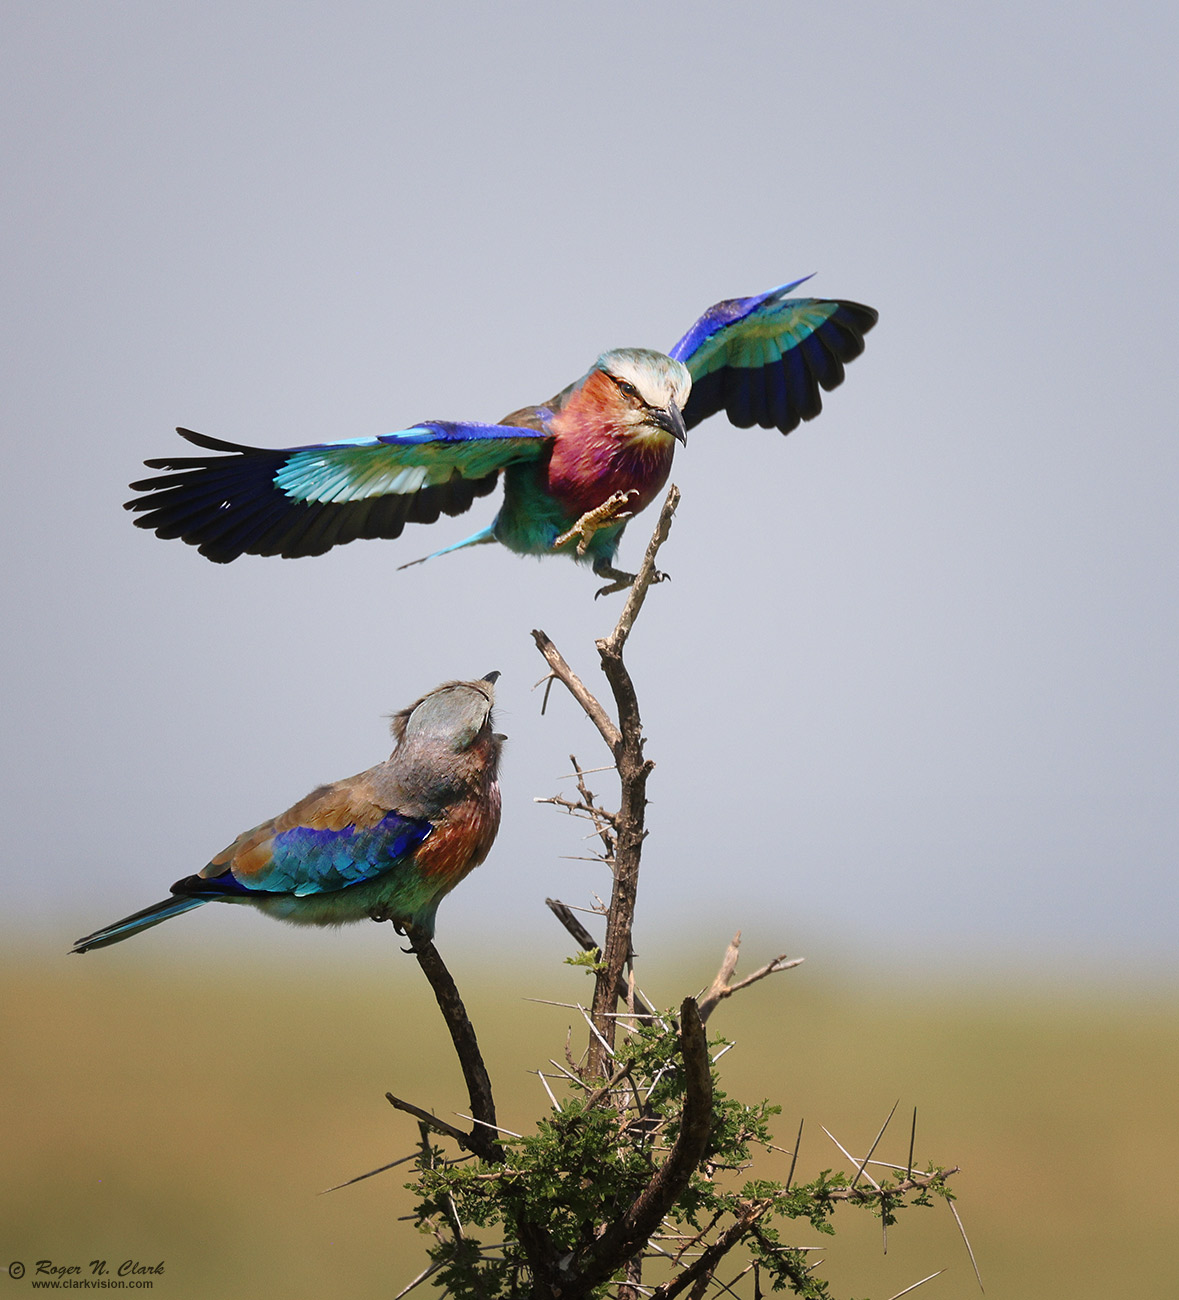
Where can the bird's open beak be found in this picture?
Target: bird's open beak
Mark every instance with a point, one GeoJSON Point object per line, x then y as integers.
{"type": "Point", "coordinates": [672, 420]}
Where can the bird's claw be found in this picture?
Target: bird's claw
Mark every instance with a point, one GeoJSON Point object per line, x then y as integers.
{"type": "Point", "coordinates": [417, 939]}
{"type": "Point", "coordinates": [613, 510]}
{"type": "Point", "coordinates": [621, 581]}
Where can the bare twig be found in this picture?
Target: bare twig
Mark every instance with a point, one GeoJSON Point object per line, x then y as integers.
{"type": "Point", "coordinates": [646, 574]}
{"type": "Point", "coordinates": [606, 831]}
{"type": "Point", "coordinates": [564, 914]}
{"type": "Point", "coordinates": [690, 1242]}
{"type": "Point", "coordinates": [579, 808]}
{"type": "Point", "coordinates": [723, 987]}
{"type": "Point", "coordinates": [552, 1095]}
{"type": "Point", "coordinates": [581, 1083]}
{"type": "Point", "coordinates": [432, 1121]}
{"type": "Point", "coordinates": [578, 689]}
{"type": "Point", "coordinates": [584, 771]}
{"type": "Point", "coordinates": [606, 1044]}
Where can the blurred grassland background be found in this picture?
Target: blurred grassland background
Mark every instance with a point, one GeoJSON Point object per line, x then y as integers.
{"type": "Point", "coordinates": [192, 1111]}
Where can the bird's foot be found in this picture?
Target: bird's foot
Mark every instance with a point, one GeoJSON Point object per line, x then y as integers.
{"type": "Point", "coordinates": [613, 510]}
{"type": "Point", "coordinates": [621, 581]}
{"type": "Point", "coordinates": [417, 938]}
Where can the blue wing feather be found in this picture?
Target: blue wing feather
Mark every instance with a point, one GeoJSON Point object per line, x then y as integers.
{"type": "Point", "coordinates": [312, 860]}
{"type": "Point", "coordinates": [729, 312]}
{"type": "Point", "coordinates": [763, 360]}
{"type": "Point", "coordinates": [304, 500]}
{"type": "Point", "coordinates": [303, 861]}
{"type": "Point", "coordinates": [308, 860]}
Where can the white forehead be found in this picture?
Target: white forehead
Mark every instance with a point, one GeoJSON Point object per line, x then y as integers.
{"type": "Point", "coordinates": [454, 713]}
{"type": "Point", "coordinates": [659, 379]}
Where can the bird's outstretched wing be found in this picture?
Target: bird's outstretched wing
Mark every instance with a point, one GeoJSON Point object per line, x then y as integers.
{"type": "Point", "coordinates": [762, 360]}
{"type": "Point", "coordinates": [305, 500]}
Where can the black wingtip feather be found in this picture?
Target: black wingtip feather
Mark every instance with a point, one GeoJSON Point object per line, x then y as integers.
{"type": "Point", "coordinates": [784, 393]}
{"type": "Point", "coordinates": [219, 444]}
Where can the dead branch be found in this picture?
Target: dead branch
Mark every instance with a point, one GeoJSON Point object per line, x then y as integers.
{"type": "Point", "coordinates": [722, 986]}
{"type": "Point", "coordinates": [646, 575]}
{"type": "Point", "coordinates": [564, 914]}
{"type": "Point", "coordinates": [581, 808]}
{"type": "Point", "coordinates": [432, 1122]}
{"type": "Point", "coordinates": [578, 689]}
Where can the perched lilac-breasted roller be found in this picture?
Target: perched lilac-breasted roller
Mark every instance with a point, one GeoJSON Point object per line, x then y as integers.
{"type": "Point", "coordinates": [574, 468]}
{"type": "Point", "coordinates": [387, 845]}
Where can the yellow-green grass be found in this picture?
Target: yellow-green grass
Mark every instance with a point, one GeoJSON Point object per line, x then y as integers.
{"type": "Point", "coordinates": [192, 1112]}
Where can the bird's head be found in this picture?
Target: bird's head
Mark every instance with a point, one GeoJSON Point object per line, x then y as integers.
{"type": "Point", "coordinates": [646, 390]}
{"type": "Point", "coordinates": [455, 715]}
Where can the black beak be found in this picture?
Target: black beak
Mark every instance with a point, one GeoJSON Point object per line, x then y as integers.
{"type": "Point", "coordinates": [672, 421]}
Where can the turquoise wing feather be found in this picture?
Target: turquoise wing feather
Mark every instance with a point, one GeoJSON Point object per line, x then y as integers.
{"type": "Point", "coordinates": [304, 500]}
{"type": "Point", "coordinates": [763, 360]}
{"type": "Point", "coordinates": [312, 860]}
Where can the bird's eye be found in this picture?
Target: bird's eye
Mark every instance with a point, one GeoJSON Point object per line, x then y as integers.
{"type": "Point", "coordinates": [628, 390]}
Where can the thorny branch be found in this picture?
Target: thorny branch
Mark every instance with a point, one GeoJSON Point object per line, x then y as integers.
{"type": "Point", "coordinates": [752, 1211]}
{"type": "Point", "coordinates": [623, 1238]}
{"type": "Point", "coordinates": [625, 740]}
{"type": "Point", "coordinates": [610, 1249]}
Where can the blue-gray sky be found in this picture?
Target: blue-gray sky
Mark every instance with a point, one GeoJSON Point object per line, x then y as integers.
{"type": "Point", "coordinates": [913, 682]}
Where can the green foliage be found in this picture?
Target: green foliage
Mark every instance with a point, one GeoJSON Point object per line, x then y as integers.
{"type": "Point", "coordinates": [590, 1160]}
{"type": "Point", "coordinates": [588, 960]}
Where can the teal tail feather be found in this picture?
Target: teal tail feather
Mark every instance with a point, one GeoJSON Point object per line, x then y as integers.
{"type": "Point", "coordinates": [483, 536]}
{"type": "Point", "coordinates": [130, 925]}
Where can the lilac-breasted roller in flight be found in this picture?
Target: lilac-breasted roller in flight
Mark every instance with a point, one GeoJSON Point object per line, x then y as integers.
{"type": "Point", "coordinates": [386, 845]}
{"type": "Point", "coordinates": [575, 468]}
